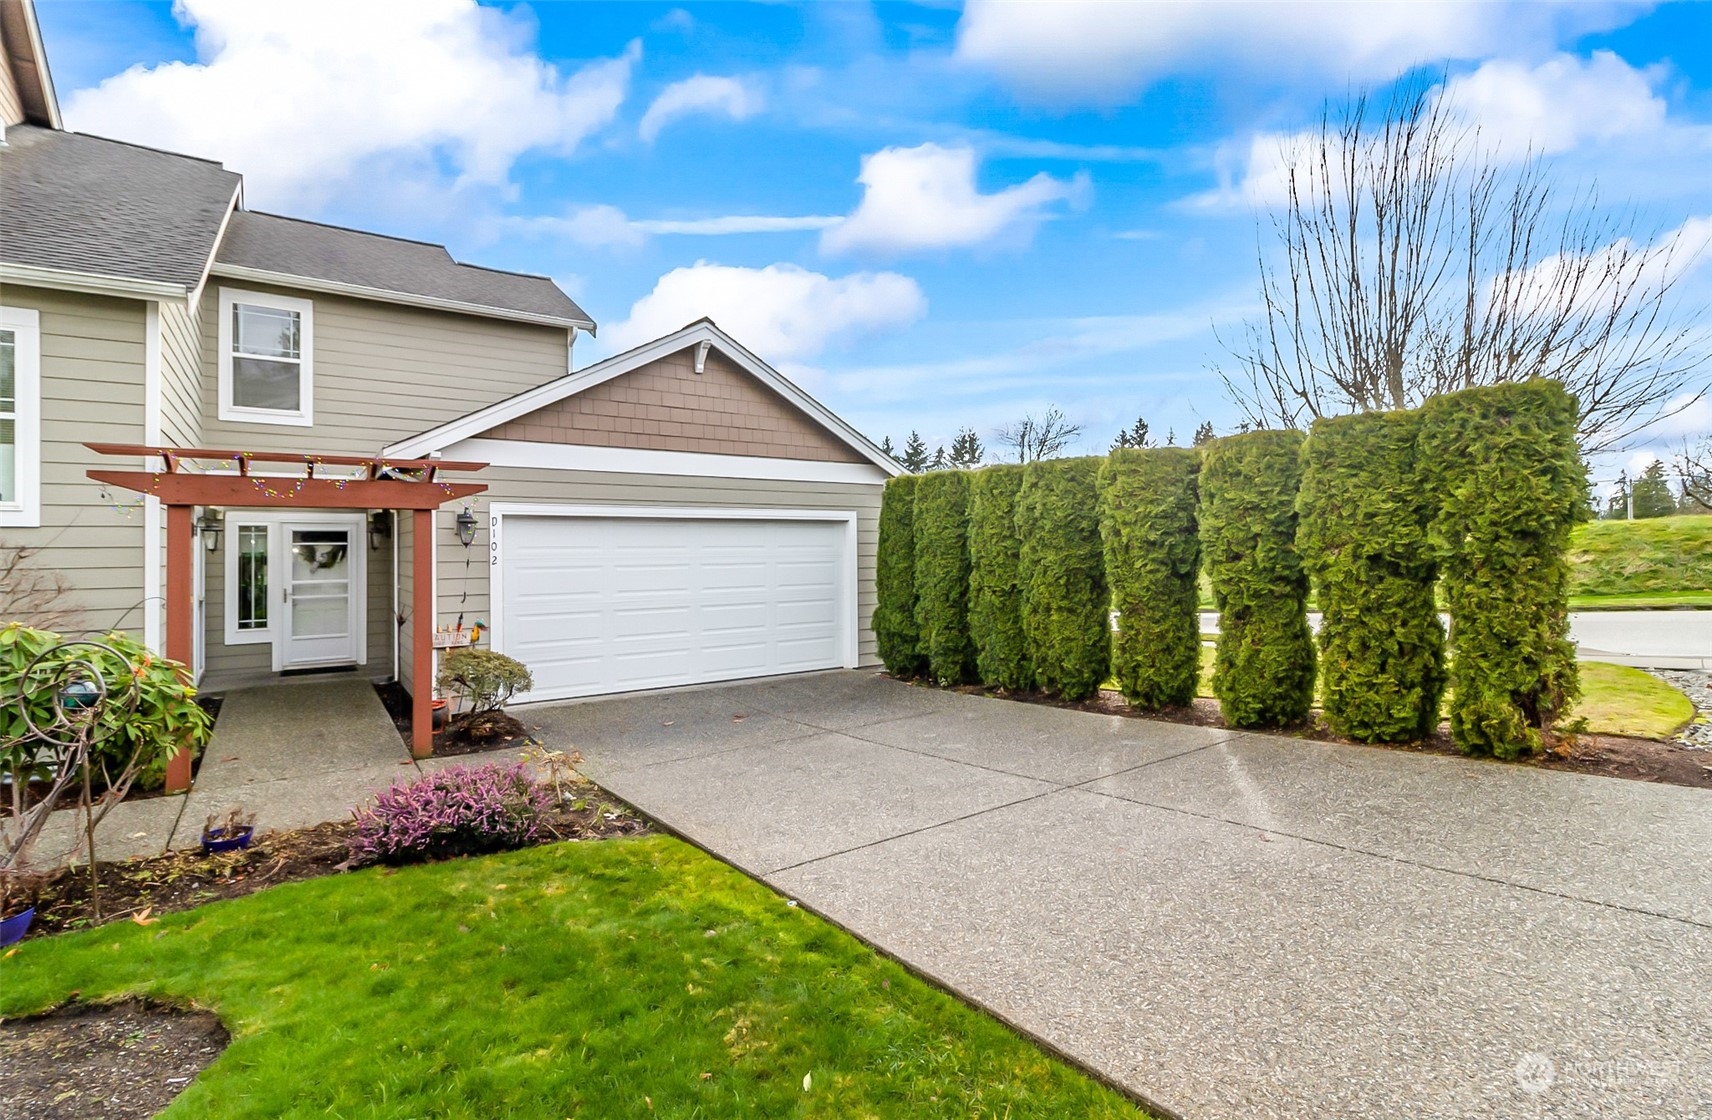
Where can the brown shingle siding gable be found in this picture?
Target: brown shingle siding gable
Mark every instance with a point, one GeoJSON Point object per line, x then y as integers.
{"type": "Point", "coordinates": [667, 406]}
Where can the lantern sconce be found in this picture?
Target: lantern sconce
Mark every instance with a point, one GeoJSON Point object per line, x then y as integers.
{"type": "Point", "coordinates": [466, 527]}
{"type": "Point", "coordinates": [380, 528]}
{"type": "Point", "coordinates": [208, 526]}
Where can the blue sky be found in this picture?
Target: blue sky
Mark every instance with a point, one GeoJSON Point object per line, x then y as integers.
{"type": "Point", "coordinates": [931, 216]}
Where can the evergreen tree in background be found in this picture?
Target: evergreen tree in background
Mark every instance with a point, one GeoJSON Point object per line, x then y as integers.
{"type": "Point", "coordinates": [939, 461]}
{"type": "Point", "coordinates": [886, 446]}
{"type": "Point", "coordinates": [1617, 505]}
{"type": "Point", "coordinates": [914, 458]}
{"type": "Point", "coordinates": [966, 449]}
{"type": "Point", "coordinates": [1204, 433]}
{"type": "Point", "coordinates": [1653, 497]}
{"type": "Point", "coordinates": [1133, 436]}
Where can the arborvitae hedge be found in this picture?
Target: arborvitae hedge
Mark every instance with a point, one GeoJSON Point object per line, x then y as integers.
{"type": "Point", "coordinates": [1065, 605]}
{"type": "Point", "coordinates": [1264, 673]}
{"type": "Point", "coordinates": [995, 592]}
{"type": "Point", "coordinates": [942, 575]}
{"type": "Point", "coordinates": [1363, 536]}
{"type": "Point", "coordinates": [1508, 485]}
{"type": "Point", "coordinates": [1153, 556]}
{"type": "Point", "coordinates": [896, 637]}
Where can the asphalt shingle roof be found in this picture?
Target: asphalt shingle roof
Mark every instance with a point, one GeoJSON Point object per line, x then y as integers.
{"type": "Point", "coordinates": [388, 264]}
{"type": "Point", "coordinates": [84, 204]}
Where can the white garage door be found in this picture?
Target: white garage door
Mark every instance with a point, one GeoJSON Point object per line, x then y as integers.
{"type": "Point", "coordinates": [595, 605]}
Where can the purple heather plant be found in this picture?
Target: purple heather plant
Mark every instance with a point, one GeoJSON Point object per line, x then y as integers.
{"type": "Point", "coordinates": [457, 811]}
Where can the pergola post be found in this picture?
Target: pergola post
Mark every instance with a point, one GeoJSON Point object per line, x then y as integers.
{"type": "Point", "coordinates": [422, 633]}
{"type": "Point", "coordinates": [180, 618]}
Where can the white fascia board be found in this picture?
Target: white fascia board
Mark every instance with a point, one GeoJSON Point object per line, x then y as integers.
{"type": "Point", "coordinates": [214, 251]}
{"type": "Point", "coordinates": [626, 460]}
{"type": "Point", "coordinates": [383, 295]}
{"type": "Point", "coordinates": [89, 283]}
{"type": "Point", "coordinates": [467, 427]}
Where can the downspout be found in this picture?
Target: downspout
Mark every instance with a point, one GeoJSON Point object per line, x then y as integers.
{"type": "Point", "coordinates": [395, 627]}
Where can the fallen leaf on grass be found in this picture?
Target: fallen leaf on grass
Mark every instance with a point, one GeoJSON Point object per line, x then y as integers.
{"type": "Point", "coordinates": [707, 1077]}
{"type": "Point", "coordinates": [143, 918]}
{"type": "Point", "coordinates": [10, 953]}
{"type": "Point", "coordinates": [808, 1082]}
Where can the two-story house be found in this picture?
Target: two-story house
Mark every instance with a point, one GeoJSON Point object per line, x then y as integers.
{"type": "Point", "coordinates": [676, 514]}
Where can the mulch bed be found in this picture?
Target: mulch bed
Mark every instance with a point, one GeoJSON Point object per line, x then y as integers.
{"type": "Point", "coordinates": [1610, 756]}
{"type": "Point", "coordinates": [497, 731]}
{"type": "Point", "coordinates": [115, 1062]}
{"type": "Point", "coordinates": [143, 889]}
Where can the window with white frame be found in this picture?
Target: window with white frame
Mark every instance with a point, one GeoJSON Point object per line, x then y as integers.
{"type": "Point", "coordinates": [266, 358]}
{"type": "Point", "coordinates": [248, 552]}
{"type": "Point", "coordinates": [20, 417]}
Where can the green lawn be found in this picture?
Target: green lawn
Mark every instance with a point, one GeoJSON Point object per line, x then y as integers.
{"type": "Point", "coordinates": [599, 979]}
{"type": "Point", "coordinates": [1617, 700]}
{"type": "Point", "coordinates": [1642, 601]}
{"type": "Point", "coordinates": [1667, 560]}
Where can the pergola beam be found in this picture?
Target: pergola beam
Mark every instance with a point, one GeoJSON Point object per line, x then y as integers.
{"type": "Point", "coordinates": [264, 492]}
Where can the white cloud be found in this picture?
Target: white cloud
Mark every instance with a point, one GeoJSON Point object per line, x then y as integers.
{"type": "Point", "coordinates": [300, 98]}
{"type": "Point", "coordinates": [1101, 51]}
{"type": "Point", "coordinates": [602, 226]}
{"type": "Point", "coordinates": [1557, 105]}
{"type": "Point", "coordinates": [783, 313]}
{"type": "Point", "coordinates": [925, 198]}
{"type": "Point", "coordinates": [701, 94]}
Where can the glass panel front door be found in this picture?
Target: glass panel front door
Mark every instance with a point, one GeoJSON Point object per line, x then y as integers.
{"type": "Point", "coordinates": [321, 615]}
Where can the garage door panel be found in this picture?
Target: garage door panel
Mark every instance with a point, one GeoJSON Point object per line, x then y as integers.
{"type": "Point", "coordinates": [608, 604]}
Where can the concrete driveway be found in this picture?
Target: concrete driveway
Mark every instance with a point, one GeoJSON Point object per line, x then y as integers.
{"type": "Point", "coordinates": [1232, 925]}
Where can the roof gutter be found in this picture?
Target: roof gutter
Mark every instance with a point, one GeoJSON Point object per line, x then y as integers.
{"type": "Point", "coordinates": [89, 282]}
{"type": "Point", "coordinates": [383, 295]}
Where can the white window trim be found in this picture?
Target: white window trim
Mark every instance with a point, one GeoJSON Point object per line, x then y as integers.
{"type": "Point", "coordinates": [26, 326]}
{"type": "Point", "coordinates": [233, 522]}
{"type": "Point", "coordinates": [304, 416]}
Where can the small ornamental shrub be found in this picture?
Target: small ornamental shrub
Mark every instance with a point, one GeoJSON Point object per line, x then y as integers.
{"type": "Point", "coordinates": [995, 593]}
{"type": "Point", "coordinates": [1508, 486]}
{"type": "Point", "coordinates": [458, 811]}
{"type": "Point", "coordinates": [896, 637]}
{"type": "Point", "coordinates": [1066, 609]}
{"type": "Point", "coordinates": [1153, 558]}
{"type": "Point", "coordinates": [942, 575]}
{"type": "Point", "coordinates": [143, 736]}
{"type": "Point", "coordinates": [1264, 672]}
{"type": "Point", "coordinates": [1363, 536]}
{"type": "Point", "coordinates": [485, 679]}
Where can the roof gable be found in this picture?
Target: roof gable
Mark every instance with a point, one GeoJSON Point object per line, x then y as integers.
{"type": "Point", "coordinates": [802, 435]}
{"type": "Point", "coordinates": [667, 405]}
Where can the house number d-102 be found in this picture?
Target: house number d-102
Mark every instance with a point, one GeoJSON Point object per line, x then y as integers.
{"type": "Point", "coordinates": [493, 542]}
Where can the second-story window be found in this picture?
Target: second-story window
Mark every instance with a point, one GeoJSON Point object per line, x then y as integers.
{"type": "Point", "coordinates": [266, 364]}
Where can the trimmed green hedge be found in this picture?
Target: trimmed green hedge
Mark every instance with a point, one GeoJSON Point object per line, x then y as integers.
{"type": "Point", "coordinates": [896, 636]}
{"type": "Point", "coordinates": [1153, 558]}
{"type": "Point", "coordinates": [1061, 567]}
{"type": "Point", "coordinates": [1264, 672]}
{"type": "Point", "coordinates": [1509, 485]}
{"type": "Point", "coordinates": [995, 591]}
{"type": "Point", "coordinates": [942, 575]}
{"type": "Point", "coordinates": [1363, 538]}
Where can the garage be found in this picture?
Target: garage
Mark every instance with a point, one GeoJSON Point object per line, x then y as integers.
{"type": "Point", "coordinates": [598, 600]}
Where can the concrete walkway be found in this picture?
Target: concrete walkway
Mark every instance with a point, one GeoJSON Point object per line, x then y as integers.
{"type": "Point", "coordinates": [1232, 925]}
{"type": "Point", "coordinates": [292, 754]}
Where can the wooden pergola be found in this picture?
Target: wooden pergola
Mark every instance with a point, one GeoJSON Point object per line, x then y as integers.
{"type": "Point", "coordinates": [390, 484]}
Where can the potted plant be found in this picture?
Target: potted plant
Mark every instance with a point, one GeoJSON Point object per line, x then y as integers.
{"type": "Point", "coordinates": [230, 834]}
{"type": "Point", "coordinates": [17, 906]}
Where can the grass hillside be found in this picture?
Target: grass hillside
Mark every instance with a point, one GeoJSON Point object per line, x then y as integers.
{"type": "Point", "coordinates": [1656, 561]}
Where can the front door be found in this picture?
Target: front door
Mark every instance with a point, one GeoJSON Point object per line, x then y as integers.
{"type": "Point", "coordinates": [322, 599]}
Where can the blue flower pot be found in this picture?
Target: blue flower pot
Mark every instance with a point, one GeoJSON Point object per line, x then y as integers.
{"type": "Point", "coordinates": [219, 840]}
{"type": "Point", "coordinates": [13, 929]}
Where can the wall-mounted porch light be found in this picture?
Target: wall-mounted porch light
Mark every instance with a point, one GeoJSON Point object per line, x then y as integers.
{"type": "Point", "coordinates": [467, 527]}
{"type": "Point", "coordinates": [209, 526]}
{"type": "Point", "coordinates": [380, 528]}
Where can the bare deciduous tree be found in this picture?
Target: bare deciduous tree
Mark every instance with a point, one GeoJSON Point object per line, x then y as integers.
{"type": "Point", "coordinates": [33, 595]}
{"type": "Point", "coordinates": [1046, 438]}
{"type": "Point", "coordinates": [1694, 474]}
{"type": "Point", "coordinates": [1412, 260]}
